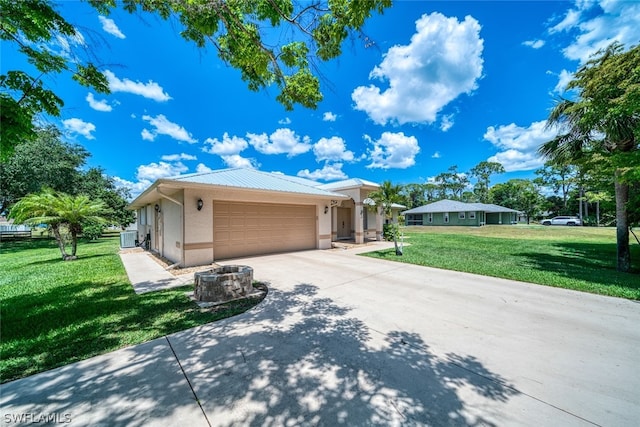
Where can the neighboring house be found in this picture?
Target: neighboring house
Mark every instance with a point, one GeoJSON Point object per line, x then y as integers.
{"type": "Point", "coordinates": [199, 218]}
{"type": "Point", "coordinates": [451, 212]}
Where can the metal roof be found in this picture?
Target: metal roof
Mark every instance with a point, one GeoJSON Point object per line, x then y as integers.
{"type": "Point", "coordinates": [248, 179]}
{"type": "Point", "coordinates": [348, 183]}
{"type": "Point", "coordinates": [455, 206]}
{"type": "Point", "coordinates": [489, 207]}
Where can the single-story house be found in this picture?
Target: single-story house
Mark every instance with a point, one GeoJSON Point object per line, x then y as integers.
{"type": "Point", "coordinates": [200, 218]}
{"type": "Point", "coordinates": [451, 212]}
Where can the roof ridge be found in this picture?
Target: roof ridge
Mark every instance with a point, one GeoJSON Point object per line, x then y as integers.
{"type": "Point", "coordinates": [211, 172]}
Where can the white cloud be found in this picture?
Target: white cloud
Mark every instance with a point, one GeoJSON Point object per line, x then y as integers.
{"type": "Point", "coordinates": [563, 80]}
{"type": "Point", "coordinates": [446, 123]}
{"type": "Point", "coordinates": [435, 155]}
{"type": "Point", "coordinates": [65, 43]}
{"type": "Point", "coordinates": [154, 171]}
{"type": "Point", "coordinates": [535, 44]}
{"type": "Point", "coordinates": [393, 150]}
{"type": "Point", "coordinates": [177, 157]}
{"type": "Point", "coordinates": [162, 126]}
{"type": "Point", "coordinates": [597, 24]}
{"type": "Point", "coordinates": [281, 141]}
{"type": "Point", "coordinates": [332, 149]}
{"type": "Point", "coordinates": [285, 121]}
{"type": "Point", "coordinates": [228, 146]}
{"type": "Point", "coordinates": [442, 62]}
{"type": "Point", "coordinates": [135, 188]}
{"type": "Point", "coordinates": [110, 27]}
{"type": "Point", "coordinates": [150, 90]}
{"type": "Point", "coordinates": [80, 127]}
{"type": "Point", "coordinates": [202, 168]}
{"type": "Point", "coordinates": [147, 135]}
{"type": "Point", "coordinates": [330, 172]}
{"type": "Point", "coordinates": [237, 161]}
{"type": "Point", "coordinates": [329, 117]}
{"type": "Point", "coordinates": [514, 160]}
{"type": "Point", "coordinates": [147, 174]}
{"type": "Point", "coordinates": [519, 145]}
{"type": "Point", "coordinates": [229, 150]}
{"type": "Point", "coordinates": [101, 105]}
{"type": "Point", "coordinates": [569, 21]}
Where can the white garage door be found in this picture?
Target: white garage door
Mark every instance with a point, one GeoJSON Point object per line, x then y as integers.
{"type": "Point", "coordinates": [244, 229]}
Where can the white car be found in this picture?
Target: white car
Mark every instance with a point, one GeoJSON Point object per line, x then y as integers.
{"type": "Point", "coordinates": [562, 220]}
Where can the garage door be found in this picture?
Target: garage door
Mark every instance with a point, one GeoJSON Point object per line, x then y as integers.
{"type": "Point", "coordinates": [244, 229]}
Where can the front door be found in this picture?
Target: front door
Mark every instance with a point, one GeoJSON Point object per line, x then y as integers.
{"type": "Point", "coordinates": [344, 223]}
{"type": "Point", "coordinates": [157, 241]}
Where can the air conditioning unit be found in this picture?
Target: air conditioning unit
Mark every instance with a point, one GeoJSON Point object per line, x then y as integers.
{"type": "Point", "coordinates": [128, 239]}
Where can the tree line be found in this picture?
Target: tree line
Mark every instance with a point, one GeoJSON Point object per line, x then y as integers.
{"type": "Point", "coordinates": [48, 162]}
{"type": "Point", "coordinates": [557, 189]}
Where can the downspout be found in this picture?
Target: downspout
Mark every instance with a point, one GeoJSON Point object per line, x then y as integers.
{"type": "Point", "coordinates": [179, 203]}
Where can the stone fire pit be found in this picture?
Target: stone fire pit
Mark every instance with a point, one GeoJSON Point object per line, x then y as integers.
{"type": "Point", "coordinates": [224, 283]}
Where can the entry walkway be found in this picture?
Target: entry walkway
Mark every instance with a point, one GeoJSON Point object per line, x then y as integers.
{"type": "Point", "coordinates": [146, 275]}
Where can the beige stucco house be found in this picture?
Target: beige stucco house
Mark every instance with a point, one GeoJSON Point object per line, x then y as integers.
{"type": "Point", "coordinates": [200, 218]}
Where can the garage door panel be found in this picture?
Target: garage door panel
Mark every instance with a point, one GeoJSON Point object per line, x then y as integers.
{"type": "Point", "coordinates": [243, 229]}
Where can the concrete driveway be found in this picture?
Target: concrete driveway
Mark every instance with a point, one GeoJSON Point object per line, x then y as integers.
{"type": "Point", "coordinates": [342, 339]}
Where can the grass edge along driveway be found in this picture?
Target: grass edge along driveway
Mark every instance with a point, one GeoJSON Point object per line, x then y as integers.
{"type": "Point", "coordinates": [55, 312]}
{"type": "Point", "coordinates": [577, 258]}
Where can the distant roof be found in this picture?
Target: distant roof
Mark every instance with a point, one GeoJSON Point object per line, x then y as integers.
{"type": "Point", "coordinates": [489, 207]}
{"type": "Point", "coordinates": [455, 206]}
{"type": "Point", "coordinates": [249, 179]}
{"type": "Point", "coordinates": [348, 183]}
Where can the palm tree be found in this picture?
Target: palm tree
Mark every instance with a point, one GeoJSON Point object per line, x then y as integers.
{"type": "Point", "coordinates": [58, 210]}
{"type": "Point", "coordinates": [605, 119]}
{"type": "Point", "coordinates": [384, 197]}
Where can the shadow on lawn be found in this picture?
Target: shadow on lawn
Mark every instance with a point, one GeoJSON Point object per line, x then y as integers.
{"type": "Point", "coordinates": [13, 246]}
{"type": "Point", "coordinates": [83, 319]}
{"type": "Point", "coordinates": [296, 359]}
{"type": "Point", "coordinates": [590, 262]}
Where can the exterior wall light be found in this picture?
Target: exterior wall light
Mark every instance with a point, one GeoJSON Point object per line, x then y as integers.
{"type": "Point", "coordinates": [157, 207]}
{"type": "Point", "coordinates": [326, 209]}
{"type": "Point", "coordinates": [200, 204]}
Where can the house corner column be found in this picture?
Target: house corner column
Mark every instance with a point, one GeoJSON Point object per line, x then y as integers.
{"type": "Point", "coordinates": [334, 223]}
{"type": "Point", "coordinates": [379, 225]}
{"type": "Point", "coordinates": [324, 226]}
{"type": "Point", "coordinates": [359, 214]}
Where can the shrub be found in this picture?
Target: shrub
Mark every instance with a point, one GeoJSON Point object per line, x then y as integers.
{"type": "Point", "coordinates": [389, 231]}
{"type": "Point", "coordinates": [92, 230]}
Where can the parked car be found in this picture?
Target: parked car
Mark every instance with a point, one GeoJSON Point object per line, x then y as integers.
{"type": "Point", "coordinates": [562, 220]}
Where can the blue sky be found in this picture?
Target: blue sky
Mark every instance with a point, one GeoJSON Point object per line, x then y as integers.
{"type": "Point", "coordinates": [431, 85]}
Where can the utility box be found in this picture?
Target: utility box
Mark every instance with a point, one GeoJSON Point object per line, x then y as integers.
{"type": "Point", "coordinates": [128, 239]}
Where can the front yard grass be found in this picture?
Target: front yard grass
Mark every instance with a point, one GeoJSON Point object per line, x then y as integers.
{"type": "Point", "coordinates": [579, 258]}
{"type": "Point", "coordinates": [55, 312]}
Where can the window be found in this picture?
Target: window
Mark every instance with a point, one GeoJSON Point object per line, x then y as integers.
{"type": "Point", "coordinates": [446, 217]}
{"type": "Point", "coordinates": [472, 215]}
{"type": "Point", "coordinates": [461, 215]}
{"type": "Point", "coordinates": [414, 219]}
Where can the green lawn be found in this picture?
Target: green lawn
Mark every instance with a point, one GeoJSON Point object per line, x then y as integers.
{"type": "Point", "coordinates": [579, 258]}
{"type": "Point", "coordinates": [56, 312]}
